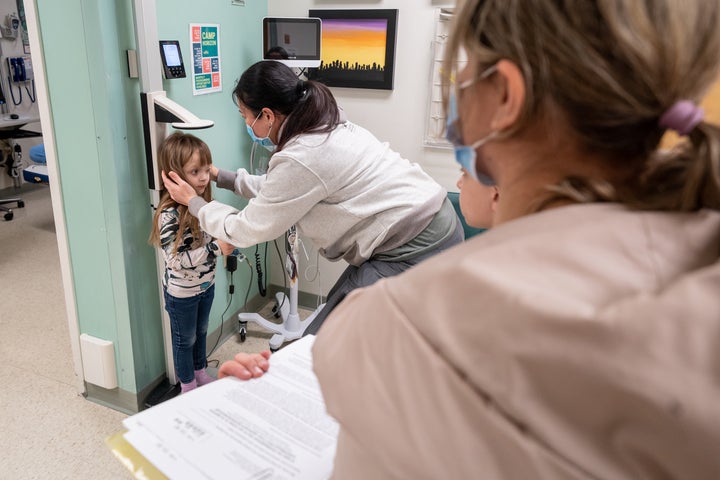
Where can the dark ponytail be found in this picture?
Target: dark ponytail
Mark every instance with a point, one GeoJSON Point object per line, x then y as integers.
{"type": "Point", "coordinates": [309, 106]}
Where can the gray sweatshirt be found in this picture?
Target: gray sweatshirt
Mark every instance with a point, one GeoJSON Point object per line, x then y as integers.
{"type": "Point", "coordinates": [346, 191]}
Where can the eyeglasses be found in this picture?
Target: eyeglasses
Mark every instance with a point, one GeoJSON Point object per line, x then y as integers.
{"type": "Point", "coordinates": [453, 130]}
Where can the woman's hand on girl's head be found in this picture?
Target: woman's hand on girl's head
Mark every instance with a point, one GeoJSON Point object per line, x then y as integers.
{"type": "Point", "coordinates": [246, 365]}
{"type": "Point", "coordinates": [213, 173]}
{"type": "Point", "coordinates": [180, 191]}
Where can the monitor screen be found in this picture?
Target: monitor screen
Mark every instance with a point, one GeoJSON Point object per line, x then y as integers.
{"type": "Point", "coordinates": [171, 59]}
{"type": "Point", "coordinates": [292, 41]}
{"type": "Point", "coordinates": [172, 55]}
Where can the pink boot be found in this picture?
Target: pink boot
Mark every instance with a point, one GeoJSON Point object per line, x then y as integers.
{"type": "Point", "coordinates": [186, 387]}
{"type": "Point", "coordinates": [203, 378]}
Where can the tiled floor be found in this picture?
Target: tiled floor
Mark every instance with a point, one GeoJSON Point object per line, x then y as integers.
{"type": "Point", "coordinates": [48, 430]}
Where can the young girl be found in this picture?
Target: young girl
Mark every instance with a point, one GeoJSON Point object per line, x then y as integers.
{"type": "Point", "coordinates": [190, 257]}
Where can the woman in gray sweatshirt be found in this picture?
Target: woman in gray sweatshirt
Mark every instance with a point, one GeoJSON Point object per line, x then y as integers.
{"type": "Point", "coordinates": [346, 191]}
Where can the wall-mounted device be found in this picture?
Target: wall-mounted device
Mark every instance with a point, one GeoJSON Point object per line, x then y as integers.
{"type": "Point", "coordinates": [171, 59]}
{"type": "Point", "coordinates": [292, 41]}
{"type": "Point", "coordinates": [11, 27]}
{"type": "Point", "coordinates": [158, 109]}
{"type": "Point", "coordinates": [20, 69]}
{"type": "Point", "coordinates": [158, 113]}
{"type": "Point", "coordinates": [20, 75]}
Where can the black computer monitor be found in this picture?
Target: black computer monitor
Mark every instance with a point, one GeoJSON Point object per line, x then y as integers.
{"type": "Point", "coordinates": [293, 41]}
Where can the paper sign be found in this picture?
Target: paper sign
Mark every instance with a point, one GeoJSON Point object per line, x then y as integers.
{"type": "Point", "coordinates": [206, 72]}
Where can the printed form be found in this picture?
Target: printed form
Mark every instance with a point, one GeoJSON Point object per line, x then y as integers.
{"type": "Point", "coordinates": [273, 427]}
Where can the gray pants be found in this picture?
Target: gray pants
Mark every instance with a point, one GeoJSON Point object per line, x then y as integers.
{"type": "Point", "coordinates": [370, 272]}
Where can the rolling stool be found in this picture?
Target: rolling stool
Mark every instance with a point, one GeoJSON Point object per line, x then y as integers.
{"type": "Point", "coordinates": [8, 211]}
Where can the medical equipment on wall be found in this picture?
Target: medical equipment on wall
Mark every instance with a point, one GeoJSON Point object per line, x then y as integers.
{"type": "Point", "coordinates": [172, 59]}
{"type": "Point", "coordinates": [20, 69]}
{"type": "Point", "coordinates": [11, 26]}
{"type": "Point", "coordinates": [157, 109]}
{"type": "Point", "coordinates": [20, 73]}
{"type": "Point", "coordinates": [157, 112]}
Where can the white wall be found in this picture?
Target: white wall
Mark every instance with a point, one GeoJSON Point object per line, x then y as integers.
{"type": "Point", "coordinates": [396, 116]}
{"type": "Point", "coordinates": [13, 47]}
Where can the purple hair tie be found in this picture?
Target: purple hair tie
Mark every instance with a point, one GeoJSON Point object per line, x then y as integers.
{"type": "Point", "coordinates": [682, 117]}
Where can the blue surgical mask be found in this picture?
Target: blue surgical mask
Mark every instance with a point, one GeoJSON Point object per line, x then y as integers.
{"type": "Point", "coordinates": [263, 142]}
{"type": "Point", "coordinates": [466, 155]}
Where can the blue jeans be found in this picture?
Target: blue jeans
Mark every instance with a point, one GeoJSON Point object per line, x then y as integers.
{"type": "Point", "coordinates": [189, 318]}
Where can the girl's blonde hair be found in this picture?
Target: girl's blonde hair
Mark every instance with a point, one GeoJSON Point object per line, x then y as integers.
{"type": "Point", "coordinates": [611, 68]}
{"type": "Point", "coordinates": [174, 153]}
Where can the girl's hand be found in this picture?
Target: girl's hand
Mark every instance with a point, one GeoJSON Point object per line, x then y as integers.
{"type": "Point", "coordinates": [180, 191]}
{"type": "Point", "coordinates": [225, 248]}
{"type": "Point", "coordinates": [246, 365]}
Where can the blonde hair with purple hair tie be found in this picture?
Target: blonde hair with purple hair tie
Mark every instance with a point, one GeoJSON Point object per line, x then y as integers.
{"type": "Point", "coordinates": [682, 117]}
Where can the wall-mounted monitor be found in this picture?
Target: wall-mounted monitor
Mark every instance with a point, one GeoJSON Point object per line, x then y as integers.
{"type": "Point", "coordinates": [171, 59]}
{"type": "Point", "coordinates": [292, 41]}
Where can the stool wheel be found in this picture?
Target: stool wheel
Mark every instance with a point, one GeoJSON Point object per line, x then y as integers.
{"type": "Point", "coordinates": [8, 216]}
{"type": "Point", "coordinates": [243, 330]}
{"type": "Point", "coordinates": [243, 334]}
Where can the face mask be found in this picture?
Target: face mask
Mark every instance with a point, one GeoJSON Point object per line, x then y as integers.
{"type": "Point", "coordinates": [264, 142]}
{"type": "Point", "coordinates": [466, 155]}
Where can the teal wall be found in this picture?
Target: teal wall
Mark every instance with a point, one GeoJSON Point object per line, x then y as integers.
{"type": "Point", "coordinates": [97, 123]}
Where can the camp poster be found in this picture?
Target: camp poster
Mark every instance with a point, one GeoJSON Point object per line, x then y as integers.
{"type": "Point", "coordinates": [205, 41]}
